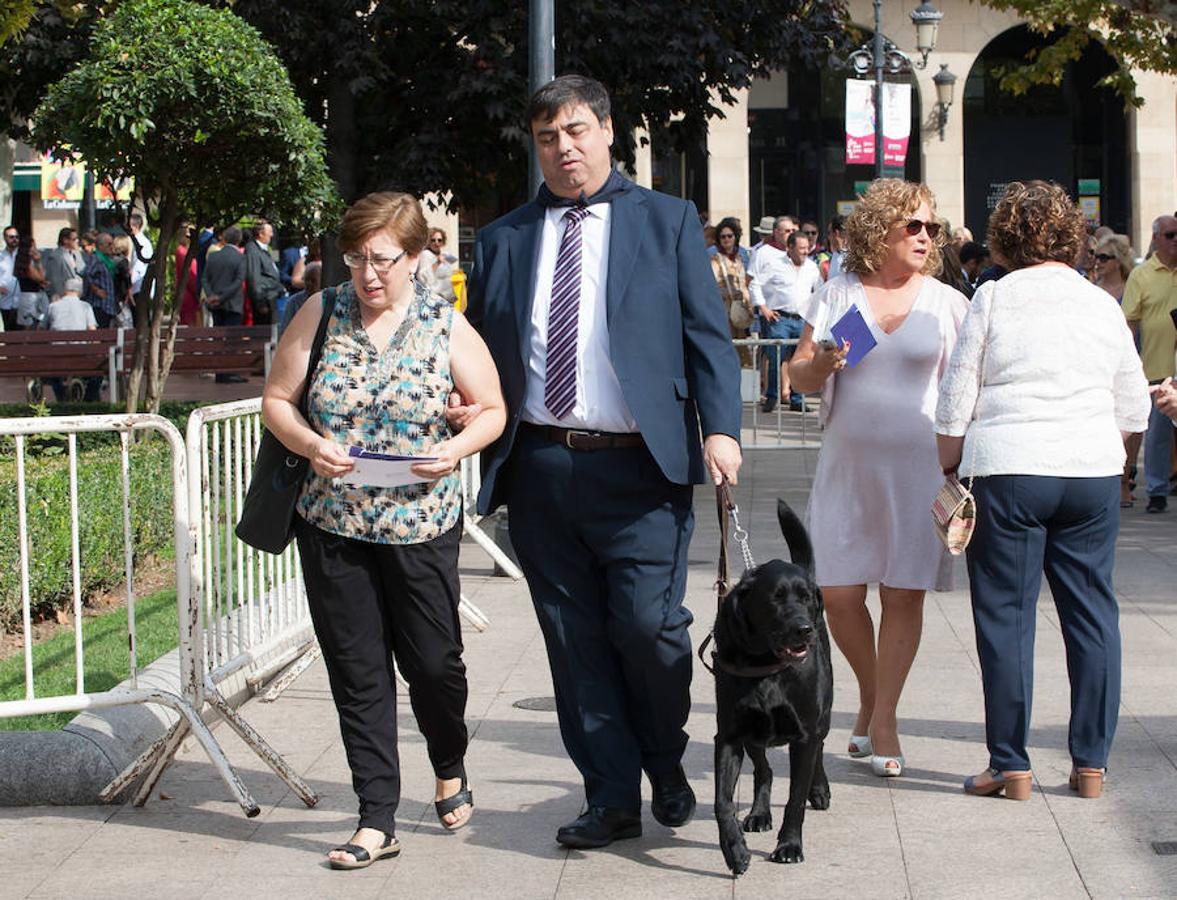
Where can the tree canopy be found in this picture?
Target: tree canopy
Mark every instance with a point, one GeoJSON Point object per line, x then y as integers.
{"type": "Point", "coordinates": [431, 97]}
{"type": "Point", "coordinates": [192, 104]}
{"type": "Point", "coordinates": [1138, 34]}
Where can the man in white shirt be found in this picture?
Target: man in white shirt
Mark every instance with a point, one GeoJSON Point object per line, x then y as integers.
{"type": "Point", "coordinates": [783, 277]}
{"type": "Point", "coordinates": [9, 286]}
{"type": "Point", "coordinates": [141, 258]}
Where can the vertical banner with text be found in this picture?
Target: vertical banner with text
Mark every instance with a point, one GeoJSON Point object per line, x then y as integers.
{"type": "Point", "coordinates": [860, 123]}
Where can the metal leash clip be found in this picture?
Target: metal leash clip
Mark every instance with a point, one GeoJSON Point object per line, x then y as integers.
{"type": "Point", "coordinates": [741, 536]}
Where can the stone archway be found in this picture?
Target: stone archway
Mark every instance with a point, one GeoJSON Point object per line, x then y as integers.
{"type": "Point", "coordinates": [1075, 134]}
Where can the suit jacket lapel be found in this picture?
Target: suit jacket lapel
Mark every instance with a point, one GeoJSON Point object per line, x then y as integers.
{"type": "Point", "coordinates": [628, 216]}
{"type": "Point", "coordinates": [524, 251]}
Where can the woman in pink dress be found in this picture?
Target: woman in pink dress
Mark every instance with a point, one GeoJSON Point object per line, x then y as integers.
{"type": "Point", "coordinates": [878, 469]}
{"type": "Point", "coordinates": [190, 305]}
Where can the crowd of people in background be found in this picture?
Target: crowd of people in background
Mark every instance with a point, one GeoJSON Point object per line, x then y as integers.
{"type": "Point", "coordinates": [768, 283]}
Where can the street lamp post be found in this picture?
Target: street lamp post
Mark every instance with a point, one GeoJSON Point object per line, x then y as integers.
{"type": "Point", "coordinates": [542, 68]}
{"type": "Point", "coordinates": [882, 57]}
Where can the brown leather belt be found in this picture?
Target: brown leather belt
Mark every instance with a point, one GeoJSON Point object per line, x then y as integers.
{"type": "Point", "coordinates": [580, 439]}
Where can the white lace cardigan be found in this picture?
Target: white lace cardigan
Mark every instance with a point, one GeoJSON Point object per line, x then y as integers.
{"type": "Point", "coordinates": [1061, 379]}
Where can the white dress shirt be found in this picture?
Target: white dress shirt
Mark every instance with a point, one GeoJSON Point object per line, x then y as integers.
{"type": "Point", "coordinates": [1045, 360]}
{"type": "Point", "coordinates": [138, 267]}
{"type": "Point", "coordinates": [11, 295]}
{"type": "Point", "coordinates": [779, 284]}
{"type": "Point", "coordinates": [600, 405]}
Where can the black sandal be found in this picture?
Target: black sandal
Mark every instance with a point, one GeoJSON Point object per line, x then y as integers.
{"type": "Point", "coordinates": [361, 857]}
{"type": "Point", "coordinates": [457, 801]}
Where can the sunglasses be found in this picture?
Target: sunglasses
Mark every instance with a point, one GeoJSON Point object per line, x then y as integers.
{"type": "Point", "coordinates": [1103, 257]}
{"type": "Point", "coordinates": [1169, 235]}
{"type": "Point", "coordinates": [915, 226]}
{"type": "Point", "coordinates": [809, 233]}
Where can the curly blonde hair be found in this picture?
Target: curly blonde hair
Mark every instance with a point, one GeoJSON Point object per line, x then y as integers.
{"type": "Point", "coordinates": [1120, 247]}
{"type": "Point", "coordinates": [887, 202]}
{"type": "Point", "coordinates": [1035, 222]}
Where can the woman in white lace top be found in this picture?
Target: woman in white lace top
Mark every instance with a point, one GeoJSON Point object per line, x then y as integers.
{"type": "Point", "coordinates": [1042, 387]}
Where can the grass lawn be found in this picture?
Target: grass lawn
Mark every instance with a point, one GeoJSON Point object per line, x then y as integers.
{"type": "Point", "coordinates": [104, 639]}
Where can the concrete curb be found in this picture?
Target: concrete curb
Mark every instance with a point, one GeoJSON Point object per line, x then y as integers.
{"type": "Point", "coordinates": [71, 766]}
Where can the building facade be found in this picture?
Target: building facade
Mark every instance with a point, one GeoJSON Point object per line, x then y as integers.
{"type": "Point", "coordinates": [780, 149]}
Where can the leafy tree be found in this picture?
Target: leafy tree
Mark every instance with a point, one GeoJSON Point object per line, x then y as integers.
{"type": "Point", "coordinates": [430, 97]}
{"type": "Point", "coordinates": [1138, 34]}
{"type": "Point", "coordinates": [193, 105]}
{"type": "Point", "coordinates": [39, 43]}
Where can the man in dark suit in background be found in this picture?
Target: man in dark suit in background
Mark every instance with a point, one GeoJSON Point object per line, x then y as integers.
{"type": "Point", "coordinates": [598, 304]}
{"type": "Point", "coordinates": [222, 284]}
{"type": "Point", "coordinates": [262, 280]}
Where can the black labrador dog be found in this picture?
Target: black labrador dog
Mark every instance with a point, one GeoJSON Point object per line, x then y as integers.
{"type": "Point", "coordinates": [774, 685]}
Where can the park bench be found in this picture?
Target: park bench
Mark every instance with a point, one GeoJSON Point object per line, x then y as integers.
{"type": "Point", "coordinates": [110, 353]}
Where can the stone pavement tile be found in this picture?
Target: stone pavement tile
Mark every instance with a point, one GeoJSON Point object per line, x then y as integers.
{"type": "Point", "coordinates": [119, 884]}
{"type": "Point", "coordinates": [34, 841]}
{"type": "Point", "coordinates": [327, 884]}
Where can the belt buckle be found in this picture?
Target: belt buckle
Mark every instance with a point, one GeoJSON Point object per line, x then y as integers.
{"type": "Point", "coordinates": [570, 433]}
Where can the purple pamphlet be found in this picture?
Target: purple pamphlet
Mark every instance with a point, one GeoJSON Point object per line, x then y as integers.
{"type": "Point", "coordinates": [853, 328]}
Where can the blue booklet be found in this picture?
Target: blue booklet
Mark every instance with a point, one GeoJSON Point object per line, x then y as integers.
{"type": "Point", "coordinates": [853, 328]}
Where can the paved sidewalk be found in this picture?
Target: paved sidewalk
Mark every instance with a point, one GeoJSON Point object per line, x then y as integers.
{"type": "Point", "coordinates": [917, 836]}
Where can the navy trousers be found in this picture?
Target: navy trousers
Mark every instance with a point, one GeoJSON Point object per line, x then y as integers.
{"type": "Point", "coordinates": [1067, 527]}
{"type": "Point", "coordinates": [602, 538]}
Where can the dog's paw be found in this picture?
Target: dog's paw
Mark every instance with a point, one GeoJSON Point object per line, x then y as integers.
{"type": "Point", "coordinates": [734, 847]}
{"type": "Point", "coordinates": [756, 821]}
{"type": "Point", "coordinates": [819, 796]}
{"type": "Point", "coordinates": [787, 852]}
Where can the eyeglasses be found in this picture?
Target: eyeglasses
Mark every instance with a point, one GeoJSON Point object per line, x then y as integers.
{"type": "Point", "coordinates": [727, 236]}
{"type": "Point", "coordinates": [809, 232]}
{"type": "Point", "coordinates": [437, 240]}
{"type": "Point", "coordinates": [915, 226]}
{"type": "Point", "coordinates": [1169, 235]}
{"type": "Point", "coordinates": [381, 265]}
{"type": "Point", "coordinates": [1103, 257]}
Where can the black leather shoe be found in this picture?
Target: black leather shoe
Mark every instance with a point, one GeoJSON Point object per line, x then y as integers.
{"type": "Point", "coordinates": [768, 405]}
{"type": "Point", "coordinates": [600, 827]}
{"type": "Point", "coordinates": [674, 801]}
{"type": "Point", "coordinates": [1157, 504]}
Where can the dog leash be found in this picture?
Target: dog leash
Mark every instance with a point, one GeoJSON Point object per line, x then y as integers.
{"type": "Point", "coordinates": [729, 515]}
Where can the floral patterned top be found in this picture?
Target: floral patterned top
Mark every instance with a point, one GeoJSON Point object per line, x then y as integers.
{"type": "Point", "coordinates": [385, 402]}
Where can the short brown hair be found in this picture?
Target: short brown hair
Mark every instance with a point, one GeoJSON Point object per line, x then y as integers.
{"type": "Point", "coordinates": [887, 202]}
{"type": "Point", "coordinates": [398, 214]}
{"type": "Point", "coordinates": [1036, 222]}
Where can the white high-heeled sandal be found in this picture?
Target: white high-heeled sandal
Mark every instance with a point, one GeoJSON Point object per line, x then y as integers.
{"type": "Point", "coordinates": [887, 766]}
{"type": "Point", "coordinates": [860, 746]}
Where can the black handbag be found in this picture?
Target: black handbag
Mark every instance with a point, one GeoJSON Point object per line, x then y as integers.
{"type": "Point", "coordinates": [267, 515]}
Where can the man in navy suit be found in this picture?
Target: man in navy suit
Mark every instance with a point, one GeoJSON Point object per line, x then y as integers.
{"type": "Point", "coordinates": [597, 302]}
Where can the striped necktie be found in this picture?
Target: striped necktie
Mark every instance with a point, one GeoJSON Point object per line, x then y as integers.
{"type": "Point", "coordinates": [560, 384]}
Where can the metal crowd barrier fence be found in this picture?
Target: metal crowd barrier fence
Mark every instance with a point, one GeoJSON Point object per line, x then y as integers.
{"type": "Point", "coordinates": [782, 428]}
{"type": "Point", "coordinates": [187, 700]}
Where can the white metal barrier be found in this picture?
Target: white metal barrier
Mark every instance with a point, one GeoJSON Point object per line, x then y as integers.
{"type": "Point", "coordinates": [781, 429]}
{"type": "Point", "coordinates": [187, 701]}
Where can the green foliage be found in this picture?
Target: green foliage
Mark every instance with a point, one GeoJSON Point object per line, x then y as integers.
{"type": "Point", "coordinates": [1134, 38]}
{"type": "Point", "coordinates": [45, 40]}
{"type": "Point", "coordinates": [431, 96]}
{"type": "Point", "coordinates": [190, 102]}
{"type": "Point", "coordinates": [106, 661]}
{"type": "Point", "coordinates": [100, 522]}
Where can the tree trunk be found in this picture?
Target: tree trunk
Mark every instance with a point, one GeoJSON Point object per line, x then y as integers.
{"type": "Point", "coordinates": [157, 273]}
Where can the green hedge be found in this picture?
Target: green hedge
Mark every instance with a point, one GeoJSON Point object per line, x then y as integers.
{"type": "Point", "coordinates": [100, 520]}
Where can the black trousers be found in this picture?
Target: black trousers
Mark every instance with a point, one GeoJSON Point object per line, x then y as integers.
{"type": "Point", "coordinates": [371, 603]}
{"type": "Point", "coordinates": [602, 537]}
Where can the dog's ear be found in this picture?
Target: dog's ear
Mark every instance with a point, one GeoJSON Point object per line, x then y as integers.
{"type": "Point", "coordinates": [796, 537]}
{"type": "Point", "coordinates": [732, 630]}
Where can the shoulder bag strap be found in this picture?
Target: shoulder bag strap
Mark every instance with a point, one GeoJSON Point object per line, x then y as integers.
{"type": "Point", "coordinates": [317, 347]}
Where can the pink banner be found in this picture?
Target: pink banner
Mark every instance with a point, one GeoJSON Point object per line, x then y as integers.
{"type": "Point", "coordinates": [860, 123]}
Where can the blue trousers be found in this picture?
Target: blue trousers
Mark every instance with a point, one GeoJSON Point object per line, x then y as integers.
{"type": "Point", "coordinates": [1158, 443]}
{"type": "Point", "coordinates": [777, 355]}
{"type": "Point", "coordinates": [1067, 527]}
{"type": "Point", "coordinates": [602, 537]}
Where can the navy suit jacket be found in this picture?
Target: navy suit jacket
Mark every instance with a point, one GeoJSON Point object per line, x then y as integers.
{"type": "Point", "coordinates": [668, 334]}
